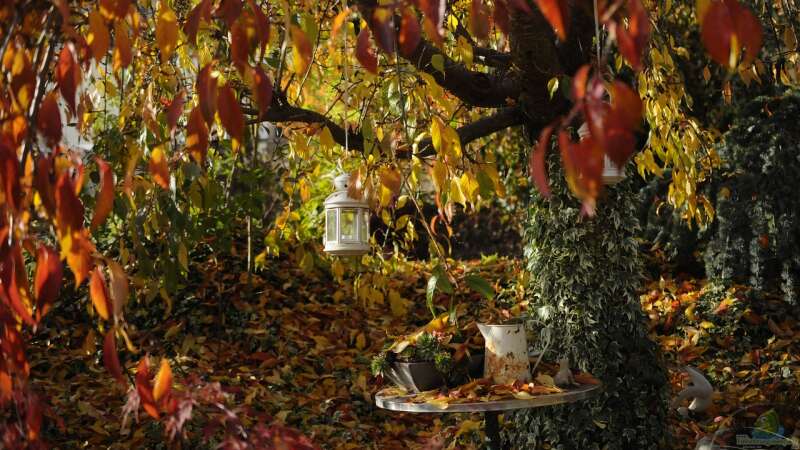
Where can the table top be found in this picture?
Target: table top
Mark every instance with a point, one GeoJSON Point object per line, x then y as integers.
{"type": "Point", "coordinates": [402, 403]}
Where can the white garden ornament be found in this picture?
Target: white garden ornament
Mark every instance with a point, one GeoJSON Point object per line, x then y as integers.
{"type": "Point", "coordinates": [346, 222]}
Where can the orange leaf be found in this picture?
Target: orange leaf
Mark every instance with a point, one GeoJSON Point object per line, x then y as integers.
{"type": "Point", "coordinates": [301, 50]}
{"type": "Point", "coordinates": [197, 136]}
{"type": "Point", "coordinates": [47, 281]}
{"type": "Point", "coordinates": [166, 31]}
{"type": "Point", "coordinates": [434, 18]}
{"type": "Point", "coordinates": [78, 250]}
{"type": "Point", "coordinates": [158, 167]}
{"type": "Point", "coordinates": [163, 382]}
{"type": "Point", "coordinates": [99, 293]}
{"type": "Point", "coordinates": [537, 166]}
{"type": "Point", "coordinates": [557, 14]}
{"type": "Point", "coordinates": [69, 209]}
{"type": "Point", "coordinates": [111, 358]}
{"type": "Point", "coordinates": [207, 92]}
{"type": "Point", "coordinates": [144, 388]}
{"type": "Point", "coordinates": [479, 19]}
{"type": "Point", "coordinates": [68, 75]}
{"type": "Point", "coordinates": [230, 113]}
{"type": "Point", "coordinates": [262, 87]}
{"type": "Point", "coordinates": [105, 195]}
{"type": "Point", "coordinates": [122, 46]}
{"type": "Point", "coordinates": [633, 39]}
{"type": "Point", "coordinates": [409, 33]}
{"type": "Point", "coordinates": [99, 39]}
{"type": "Point", "coordinates": [579, 83]}
{"type": "Point", "coordinates": [118, 288]}
{"type": "Point", "coordinates": [364, 52]}
{"type": "Point", "coordinates": [174, 110]}
{"type": "Point", "coordinates": [49, 119]}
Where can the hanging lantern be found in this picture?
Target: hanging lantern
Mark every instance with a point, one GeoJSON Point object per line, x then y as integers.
{"type": "Point", "coordinates": [612, 174]}
{"type": "Point", "coordinates": [346, 222]}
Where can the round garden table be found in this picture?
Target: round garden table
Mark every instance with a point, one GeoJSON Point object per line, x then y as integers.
{"type": "Point", "coordinates": [490, 409]}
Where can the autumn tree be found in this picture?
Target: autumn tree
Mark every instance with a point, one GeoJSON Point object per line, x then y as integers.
{"type": "Point", "coordinates": [172, 94]}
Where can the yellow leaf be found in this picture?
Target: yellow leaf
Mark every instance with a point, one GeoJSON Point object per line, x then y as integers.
{"type": "Point", "coordinates": [456, 194]}
{"type": "Point", "coordinates": [397, 304]}
{"type": "Point", "coordinates": [326, 139]}
{"type": "Point", "coordinates": [163, 383]}
{"type": "Point", "coordinates": [361, 341]}
{"type": "Point", "coordinates": [468, 426]}
{"type": "Point", "coordinates": [166, 31]}
{"type": "Point", "coordinates": [545, 380]}
{"type": "Point", "coordinates": [98, 38]}
{"type": "Point", "coordinates": [706, 325]}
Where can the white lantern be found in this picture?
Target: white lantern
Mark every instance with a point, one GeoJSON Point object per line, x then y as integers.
{"type": "Point", "coordinates": [346, 222]}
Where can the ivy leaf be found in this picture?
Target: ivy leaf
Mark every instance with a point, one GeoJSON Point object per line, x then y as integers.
{"type": "Point", "coordinates": [480, 285]}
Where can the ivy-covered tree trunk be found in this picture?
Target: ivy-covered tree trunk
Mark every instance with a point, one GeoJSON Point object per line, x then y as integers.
{"type": "Point", "coordinates": [585, 277]}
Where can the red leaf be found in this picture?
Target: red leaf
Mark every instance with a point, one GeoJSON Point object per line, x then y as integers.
{"type": "Point", "coordinates": [98, 293]}
{"type": "Point", "coordinates": [69, 209]}
{"type": "Point", "coordinates": [555, 11]}
{"type": "Point", "coordinates": [501, 17]}
{"type": "Point", "coordinates": [364, 52]}
{"type": "Point", "coordinates": [479, 19]}
{"type": "Point", "coordinates": [748, 30]}
{"type": "Point", "coordinates": [197, 136]}
{"type": "Point", "coordinates": [200, 12]}
{"type": "Point", "coordinates": [579, 83]}
{"type": "Point", "coordinates": [583, 167]}
{"type": "Point", "coordinates": [49, 120]}
{"type": "Point", "coordinates": [263, 90]}
{"type": "Point", "coordinates": [409, 33]}
{"type": "Point", "coordinates": [433, 10]}
{"type": "Point", "coordinates": [111, 358]}
{"type": "Point", "coordinates": [47, 281]}
{"type": "Point", "coordinates": [174, 110]}
{"type": "Point", "coordinates": [43, 181]}
{"type": "Point", "coordinates": [383, 26]}
{"type": "Point", "coordinates": [240, 46]}
{"type": "Point", "coordinates": [537, 166]}
{"type": "Point", "coordinates": [633, 39]}
{"type": "Point", "coordinates": [717, 32]}
{"type": "Point", "coordinates": [207, 92]}
{"type": "Point", "coordinates": [229, 11]}
{"type": "Point", "coordinates": [14, 287]}
{"type": "Point", "coordinates": [105, 195]}
{"type": "Point", "coordinates": [230, 113]}
{"type": "Point", "coordinates": [521, 5]}
{"type": "Point", "coordinates": [625, 103]}
{"type": "Point", "coordinates": [159, 169]}
{"type": "Point", "coordinates": [145, 389]}
{"type": "Point", "coordinates": [68, 75]}
{"type": "Point", "coordinates": [9, 171]}
{"type": "Point", "coordinates": [262, 25]}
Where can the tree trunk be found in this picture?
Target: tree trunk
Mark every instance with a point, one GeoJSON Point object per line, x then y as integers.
{"type": "Point", "coordinates": [586, 273]}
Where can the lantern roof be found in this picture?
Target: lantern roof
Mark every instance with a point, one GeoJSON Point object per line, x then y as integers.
{"type": "Point", "coordinates": [341, 198]}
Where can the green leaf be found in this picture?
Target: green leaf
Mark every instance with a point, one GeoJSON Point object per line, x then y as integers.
{"type": "Point", "coordinates": [438, 280]}
{"type": "Point", "coordinates": [437, 61]}
{"type": "Point", "coordinates": [479, 285]}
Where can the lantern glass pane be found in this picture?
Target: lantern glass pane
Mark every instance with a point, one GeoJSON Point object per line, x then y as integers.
{"type": "Point", "coordinates": [347, 225]}
{"type": "Point", "coordinates": [364, 226]}
{"type": "Point", "coordinates": [330, 225]}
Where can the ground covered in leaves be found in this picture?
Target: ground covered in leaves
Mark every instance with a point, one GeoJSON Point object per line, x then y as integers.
{"type": "Point", "coordinates": [293, 347]}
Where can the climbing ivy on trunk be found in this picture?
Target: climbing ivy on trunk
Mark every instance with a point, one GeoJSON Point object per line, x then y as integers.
{"type": "Point", "coordinates": [586, 273]}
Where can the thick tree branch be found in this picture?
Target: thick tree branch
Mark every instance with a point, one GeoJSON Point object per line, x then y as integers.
{"type": "Point", "coordinates": [473, 88]}
{"type": "Point", "coordinates": [281, 113]}
{"type": "Point", "coordinates": [502, 119]}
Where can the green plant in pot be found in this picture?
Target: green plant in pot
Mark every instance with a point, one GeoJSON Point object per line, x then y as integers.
{"type": "Point", "coordinates": [433, 356]}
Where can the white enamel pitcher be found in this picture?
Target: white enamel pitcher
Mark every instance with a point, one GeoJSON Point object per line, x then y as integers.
{"type": "Point", "coordinates": [506, 358]}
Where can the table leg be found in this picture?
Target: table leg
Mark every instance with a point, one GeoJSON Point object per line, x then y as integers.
{"type": "Point", "coordinates": [492, 430]}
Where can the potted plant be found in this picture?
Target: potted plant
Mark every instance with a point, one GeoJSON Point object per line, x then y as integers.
{"type": "Point", "coordinates": [433, 356]}
{"type": "Point", "coordinates": [506, 358]}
